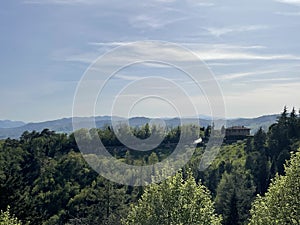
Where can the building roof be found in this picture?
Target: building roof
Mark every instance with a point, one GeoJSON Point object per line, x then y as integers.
{"type": "Point", "coordinates": [238, 128]}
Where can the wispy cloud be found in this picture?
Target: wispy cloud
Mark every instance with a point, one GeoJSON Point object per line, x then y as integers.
{"type": "Point", "coordinates": [128, 77]}
{"type": "Point", "coordinates": [291, 2]}
{"type": "Point", "coordinates": [206, 52]}
{"type": "Point", "coordinates": [109, 44]}
{"type": "Point", "coordinates": [272, 80]}
{"type": "Point", "coordinates": [242, 55]}
{"type": "Point", "coordinates": [221, 46]}
{"type": "Point", "coordinates": [235, 76]}
{"type": "Point", "coordinates": [146, 21]}
{"type": "Point", "coordinates": [219, 31]}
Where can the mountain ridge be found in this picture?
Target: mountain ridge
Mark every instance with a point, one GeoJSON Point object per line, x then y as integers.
{"type": "Point", "coordinates": [65, 125]}
{"type": "Point", "coordinates": [11, 123]}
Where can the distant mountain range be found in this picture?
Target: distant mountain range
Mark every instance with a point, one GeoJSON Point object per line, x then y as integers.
{"type": "Point", "coordinates": [14, 129]}
{"type": "Point", "coordinates": [11, 124]}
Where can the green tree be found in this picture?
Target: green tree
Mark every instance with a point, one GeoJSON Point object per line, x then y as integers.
{"type": "Point", "coordinates": [7, 219]}
{"type": "Point", "coordinates": [153, 158]}
{"type": "Point", "coordinates": [102, 202]}
{"type": "Point", "coordinates": [279, 143]}
{"type": "Point", "coordinates": [174, 201]}
{"type": "Point", "coordinates": [259, 140]}
{"type": "Point", "coordinates": [281, 204]}
{"type": "Point", "coordinates": [234, 194]}
{"type": "Point", "coordinates": [257, 161]}
{"type": "Point", "coordinates": [293, 131]}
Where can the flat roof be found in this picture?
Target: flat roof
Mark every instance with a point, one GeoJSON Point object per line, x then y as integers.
{"type": "Point", "coordinates": [238, 128]}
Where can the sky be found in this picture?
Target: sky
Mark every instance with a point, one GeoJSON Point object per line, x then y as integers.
{"type": "Point", "coordinates": [46, 46]}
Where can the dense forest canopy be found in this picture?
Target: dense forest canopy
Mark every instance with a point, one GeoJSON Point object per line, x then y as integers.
{"type": "Point", "coordinates": [44, 179]}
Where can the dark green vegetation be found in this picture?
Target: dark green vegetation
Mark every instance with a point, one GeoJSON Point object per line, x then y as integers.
{"type": "Point", "coordinates": [45, 180]}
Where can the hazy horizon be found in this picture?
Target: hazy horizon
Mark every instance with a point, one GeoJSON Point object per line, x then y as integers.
{"type": "Point", "coordinates": [205, 117]}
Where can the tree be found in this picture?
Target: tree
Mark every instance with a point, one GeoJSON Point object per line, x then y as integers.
{"type": "Point", "coordinates": [293, 131]}
{"type": "Point", "coordinates": [257, 161]}
{"type": "Point", "coordinates": [259, 140]}
{"type": "Point", "coordinates": [174, 201]}
{"type": "Point", "coordinates": [7, 219]}
{"type": "Point", "coordinates": [147, 130]}
{"type": "Point", "coordinates": [100, 203]}
{"type": "Point", "coordinates": [279, 143]}
{"type": "Point", "coordinates": [234, 194]}
{"type": "Point", "coordinates": [12, 182]}
{"type": "Point", "coordinates": [281, 204]}
{"type": "Point", "coordinates": [249, 145]}
{"type": "Point", "coordinates": [283, 119]}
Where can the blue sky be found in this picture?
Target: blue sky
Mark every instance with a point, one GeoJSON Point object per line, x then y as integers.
{"type": "Point", "coordinates": [252, 47]}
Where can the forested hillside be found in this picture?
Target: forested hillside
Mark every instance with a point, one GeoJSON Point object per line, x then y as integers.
{"type": "Point", "coordinates": [45, 180]}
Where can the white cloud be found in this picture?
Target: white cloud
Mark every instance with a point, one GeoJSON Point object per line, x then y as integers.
{"type": "Point", "coordinates": [128, 77]}
{"type": "Point", "coordinates": [206, 52]}
{"type": "Point", "coordinates": [143, 21]}
{"type": "Point", "coordinates": [221, 46]}
{"type": "Point", "coordinates": [109, 44]}
{"type": "Point", "coordinates": [244, 74]}
{"type": "Point", "coordinates": [269, 80]}
{"type": "Point", "coordinates": [216, 54]}
{"type": "Point", "coordinates": [212, 52]}
{"type": "Point", "coordinates": [146, 21]}
{"type": "Point", "coordinates": [291, 2]}
{"type": "Point", "coordinates": [219, 31]}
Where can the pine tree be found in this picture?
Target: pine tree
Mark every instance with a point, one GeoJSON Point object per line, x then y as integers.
{"type": "Point", "coordinates": [234, 194]}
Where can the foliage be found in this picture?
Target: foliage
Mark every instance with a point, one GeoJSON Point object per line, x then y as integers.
{"type": "Point", "coordinates": [281, 204]}
{"type": "Point", "coordinates": [45, 179]}
{"type": "Point", "coordinates": [235, 193]}
{"type": "Point", "coordinates": [7, 219]}
{"type": "Point", "coordinates": [174, 201]}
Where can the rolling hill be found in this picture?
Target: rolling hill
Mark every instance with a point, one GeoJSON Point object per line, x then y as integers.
{"type": "Point", "coordinates": [13, 129]}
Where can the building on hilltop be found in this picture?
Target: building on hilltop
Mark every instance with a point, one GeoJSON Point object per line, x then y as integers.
{"type": "Point", "coordinates": [237, 133]}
